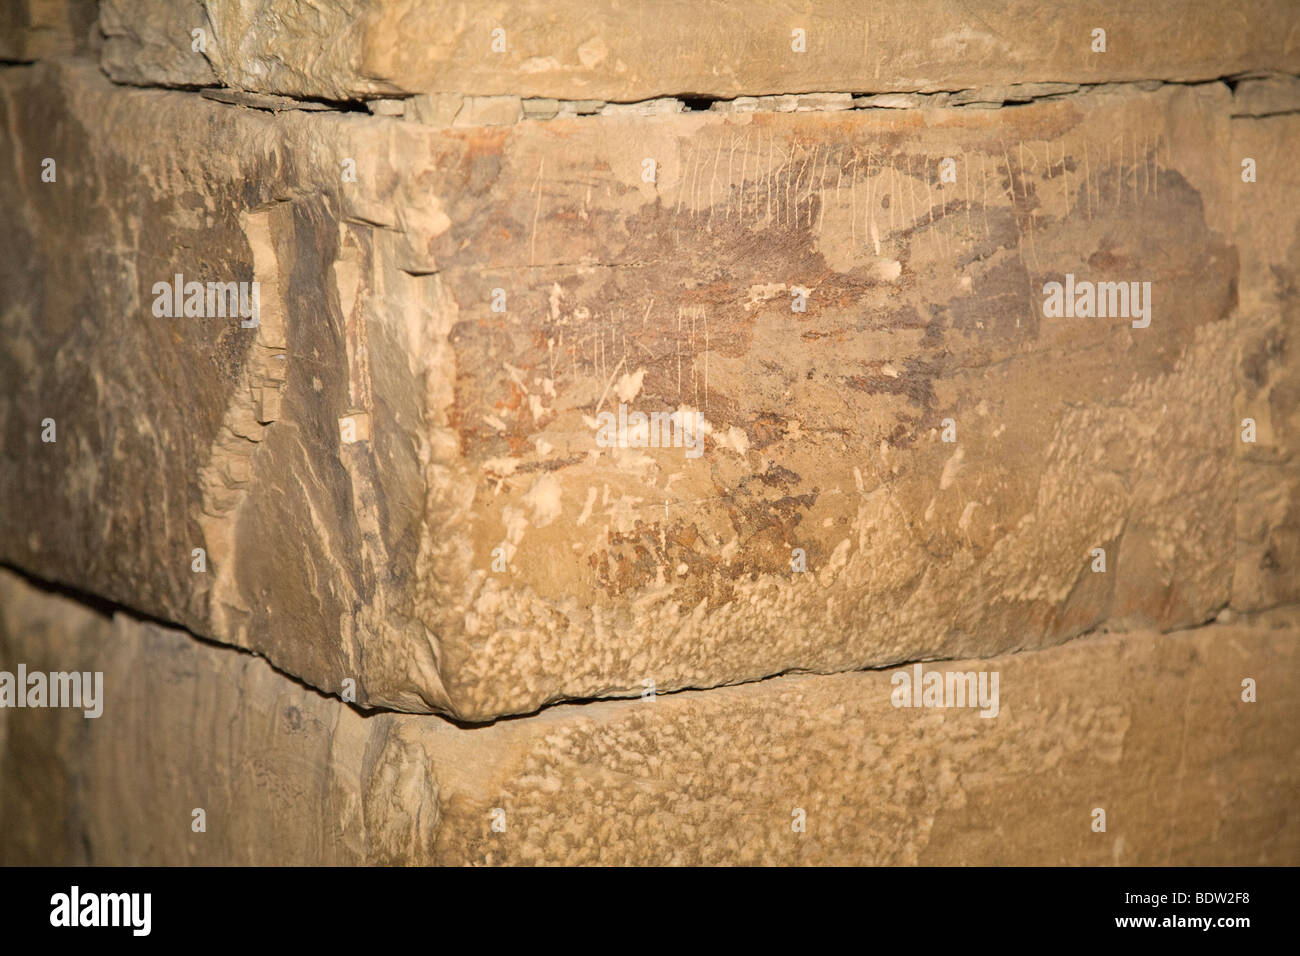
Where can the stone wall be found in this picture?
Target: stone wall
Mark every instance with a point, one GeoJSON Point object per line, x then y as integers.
{"type": "Point", "coordinates": [617, 413]}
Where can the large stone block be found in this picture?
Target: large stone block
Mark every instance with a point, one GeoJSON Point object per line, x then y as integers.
{"type": "Point", "coordinates": [396, 484]}
{"type": "Point", "coordinates": [278, 770]}
{"type": "Point", "coordinates": [608, 50]}
{"type": "Point", "coordinates": [1152, 729]}
{"type": "Point", "coordinates": [1268, 342]}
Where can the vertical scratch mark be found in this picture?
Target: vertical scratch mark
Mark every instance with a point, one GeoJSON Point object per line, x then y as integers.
{"type": "Point", "coordinates": [1108, 165]}
{"type": "Point", "coordinates": [815, 190]}
{"type": "Point", "coordinates": [1121, 174]}
{"type": "Point", "coordinates": [1136, 200]}
{"type": "Point", "coordinates": [984, 177]}
{"type": "Point", "coordinates": [1015, 218]}
{"type": "Point", "coordinates": [798, 184]}
{"type": "Point", "coordinates": [929, 197]}
{"type": "Point", "coordinates": [1087, 179]}
{"type": "Point", "coordinates": [1033, 244]}
{"type": "Point", "coordinates": [776, 190]}
{"type": "Point", "coordinates": [792, 188]}
{"type": "Point", "coordinates": [911, 193]}
{"type": "Point", "coordinates": [965, 181]}
{"type": "Point", "coordinates": [1033, 213]}
{"type": "Point", "coordinates": [893, 194]}
{"type": "Point", "coordinates": [730, 156]}
{"type": "Point", "coordinates": [695, 183]}
{"type": "Point", "coordinates": [821, 190]}
{"type": "Point", "coordinates": [853, 201]}
{"type": "Point", "coordinates": [1146, 163]}
{"type": "Point", "coordinates": [1011, 180]}
{"type": "Point", "coordinates": [789, 182]}
{"type": "Point", "coordinates": [797, 181]}
{"type": "Point", "coordinates": [744, 165]}
{"type": "Point", "coordinates": [776, 178]}
{"type": "Point", "coordinates": [814, 183]}
{"type": "Point", "coordinates": [695, 384]}
{"type": "Point", "coordinates": [869, 216]}
{"type": "Point", "coordinates": [1156, 160]}
{"type": "Point", "coordinates": [678, 343]}
{"type": "Point", "coordinates": [769, 178]}
{"type": "Point", "coordinates": [537, 209]}
{"type": "Point", "coordinates": [1065, 177]}
{"type": "Point", "coordinates": [681, 183]}
{"type": "Point", "coordinates": [1170, 162]}
{"type": "Point", "coordinates": [713, 179]}
{"type": "Point", "coordinates": [839, 164]}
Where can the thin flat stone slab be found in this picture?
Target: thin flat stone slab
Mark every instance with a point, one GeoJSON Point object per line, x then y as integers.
{"type": "Point", "coordinates": [1133, 748]}
{"type": "Point", "coordinates": [403, 494]}
{"type": "Point", "coordinates": [608, 50]}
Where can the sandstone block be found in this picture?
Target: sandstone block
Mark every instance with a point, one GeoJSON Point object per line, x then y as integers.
{"type": "Point", "coordinates": [1150, 728]}
{"type": "Point", "coordinates": [413, 471]}
{"type": "Point", "coordinates": [606, 50]}
{"type": "Point", "coordinates": [1267, 405]}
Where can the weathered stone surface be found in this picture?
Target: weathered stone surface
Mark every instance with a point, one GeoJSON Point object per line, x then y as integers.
{"type": "Point", "coordinates": [1268, 348]}
{"type": "Point", "coordinates": [1151, 728]}
{"type": "Point", "coordinates": [173, 434]}
{"type": "Point", "coordinates": [1266, 96]}
{"type": "Point", "coordinates": [280, 771]}
{"type": "Point", "coordinates": [475, 549]}
{"type": "Point", "coordinates": [601, 49]}
{"type": "Point", "coordinates": [34, 29]}
{"type": "Point", "coordinates": [146, 41]}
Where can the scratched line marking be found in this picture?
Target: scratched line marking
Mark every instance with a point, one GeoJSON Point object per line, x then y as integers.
{"type": "Point", "coordinates": [768, 177]}
{"type": "Point", "coordinates": [712, 182]}
{"type": "Point", "coordinates": [681, 183]}
{"type": "Point", "coordinates": [965, 179]}
{"type": "Point", "coordinates": [537, 209]}
{"type": "Point", "coordinates": [744, 165]}
{"type": "Point", "coordinates": [1087, 178]}
{"type": "Point", "coordinates": [730, 156]}
{"type": "Point", "coordinates": [853, 201]}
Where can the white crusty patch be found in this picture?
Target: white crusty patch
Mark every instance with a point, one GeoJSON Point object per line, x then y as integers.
{"type": "Point", "coordinates": [629, 385]}
{"type": "Point", "coordinates": [544, 500]}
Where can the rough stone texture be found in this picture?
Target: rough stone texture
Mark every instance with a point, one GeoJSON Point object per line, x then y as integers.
{"type": "Point", "coordinates": [1268, 342]}
{"type": "Point", "coordinates": [644, 187]}
{"type": "Point", "coordinates": [1266, 96]}
{"type": "Point", "coordinates": [604, 49]}
{"type": "Point", "coordinates": [1149, 727]}
{"type": "Point", "coordinates": [175, 434]}
{"type": "Point", "coordinates": [280, 771]}
{"type": "Point", "coordinates": [376, 560]}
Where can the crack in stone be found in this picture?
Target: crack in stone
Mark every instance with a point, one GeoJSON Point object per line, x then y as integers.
{"type": "Point", "coordinates": [110, 609]}
{"type": "Point", "coordinates": [394, 105]}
